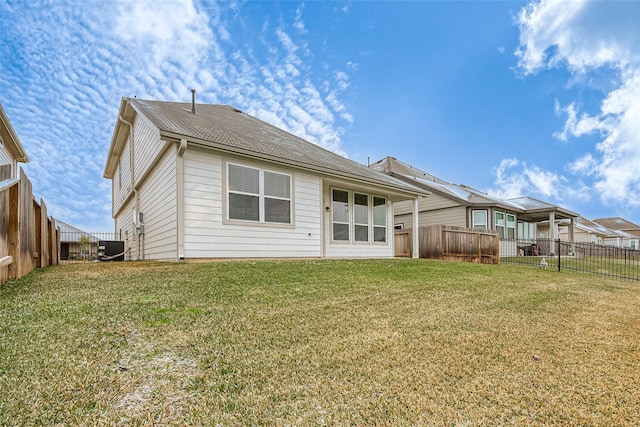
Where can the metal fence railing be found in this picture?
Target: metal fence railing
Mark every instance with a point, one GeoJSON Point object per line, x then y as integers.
{"type": "Point", "coordinates": [604, 260]}
{"type": "Point", "coordinates": [82, 246]}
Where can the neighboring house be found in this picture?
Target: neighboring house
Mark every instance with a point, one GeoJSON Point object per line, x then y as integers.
{"type": "Point", "coordinates": [451, 204]}
{"type": "Point", "coordinates": [585, 231]}
{"type": "Point", "coordinates": [209, 181]}
{"type": "Point", "coordinates": [542, 214]}
{"type": "Point", "coordinates": [11, 151]}
{"type": "Point", "coordinates": [464, 206]}
{"type": "Point", "coordinates": [592, 232]}
{"type": "Point", "coordinates": [622, 239]}
{"type": "Point", "coordinates": [76, 244]}
{"type": "Point", "coordinates": [621, 224]}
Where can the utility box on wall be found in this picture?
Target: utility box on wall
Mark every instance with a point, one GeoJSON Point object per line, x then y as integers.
{"type": "Point", "coordinates": [110, 250]}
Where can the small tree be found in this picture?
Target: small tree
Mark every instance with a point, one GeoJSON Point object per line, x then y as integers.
{"type": "Point", "coordinates": [85, 246]}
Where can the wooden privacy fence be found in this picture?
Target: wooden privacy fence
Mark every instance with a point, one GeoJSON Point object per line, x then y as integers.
{"type": "Point", "coordinates": [452, 244]}
{"type": "Point", "coordinates": [28, 238]}
{"type": "Point", "coordinates": [402, 241]}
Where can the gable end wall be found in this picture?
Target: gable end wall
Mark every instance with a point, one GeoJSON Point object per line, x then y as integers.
{"type": "Point", "coordinates": [207, 235]}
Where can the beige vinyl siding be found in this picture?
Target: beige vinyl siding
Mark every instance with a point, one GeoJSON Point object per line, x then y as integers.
{"type": "Point", "coordinates": [454, 216]}
{"type": "Point", "coordinates": [208, 235]}
{"type": "Point", "coordinates": [431, 202]}
{"type": "Point", "coordinates": [579, 235]}
{"type": "Point", "coordinates": [436, 201]}
{"type": "Point", "coordinates": [159, 207]}
{"type": "Point", "coordinates": [405, 207]}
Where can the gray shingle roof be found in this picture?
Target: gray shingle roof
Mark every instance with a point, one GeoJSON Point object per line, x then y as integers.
{"type": "Point", "coordinates": [227, 128]}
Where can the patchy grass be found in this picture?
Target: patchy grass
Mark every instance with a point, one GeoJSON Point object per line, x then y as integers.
{"type": "Point", "coordinates": [318, 342]}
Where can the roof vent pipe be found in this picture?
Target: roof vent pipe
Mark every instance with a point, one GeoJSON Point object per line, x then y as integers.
{"type": "Point", "coordinates": [193, 101]}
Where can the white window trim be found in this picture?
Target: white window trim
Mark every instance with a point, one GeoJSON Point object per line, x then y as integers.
{"type": "Point", "coordinates": [373, 222]}
{"type": "Point", "coordinates": [486, 223]}
{"type": "Point", "coordinates": [507, 227]}
{"type": "Point", "coordinates": [349, 216]}
{"type": "Point", "coordinates": [498, 226]}
{"type": "Point", "coordinates": [368, 224]}
{"type": "Point", "coordinates": [261, 204]}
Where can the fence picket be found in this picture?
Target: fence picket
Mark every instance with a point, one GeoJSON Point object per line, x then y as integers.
{"type": "Point", "coordinates": [604, 260]}
{"type": "Point", "coordinates": [26, 240]}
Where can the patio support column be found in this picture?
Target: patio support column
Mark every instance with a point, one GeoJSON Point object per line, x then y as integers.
{"type": "Point", "coordinates": [552, 232]}
{"type": "Point", "coordinates": [416, 229]}
{"type": "Point", "coordinates": [571, 233]}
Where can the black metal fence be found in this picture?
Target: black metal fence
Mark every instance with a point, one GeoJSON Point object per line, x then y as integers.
{"type": "Point", "coordinates": [604, 260]}
{"type": "Point", "coordinates": [82, 246]}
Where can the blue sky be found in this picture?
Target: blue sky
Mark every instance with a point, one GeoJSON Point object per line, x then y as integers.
{"type": "Point", "coordinates": [513, 98]}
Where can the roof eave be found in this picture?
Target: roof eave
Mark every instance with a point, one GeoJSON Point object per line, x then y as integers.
{"type": "Point", "coordinates": [291, 163]}
{"type": "Point", "coordinates": [118, 138]}
{"type": "Point", "coordinates": [14, 147]}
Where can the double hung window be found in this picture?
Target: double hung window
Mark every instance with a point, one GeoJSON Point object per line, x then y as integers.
{"type": "Point", "coordinates": [500, 224]}
{"type": "Point", "coordinates": [258, 195]}
{"type": "Point", "coordinates": [511, 226]}
{"type": "Point", "coordinates": [379, 219]}
{"type": "Point", "coordinates": [340, 210]}
{"type": "Point", "coordinates": [479, 219]}
{"type": "Point", "coordinates": [361, 217]}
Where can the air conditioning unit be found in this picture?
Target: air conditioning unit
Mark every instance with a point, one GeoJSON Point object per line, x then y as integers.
{"type": "Point", "coordinates": [110, 250]}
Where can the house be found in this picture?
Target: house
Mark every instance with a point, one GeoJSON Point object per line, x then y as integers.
{"type": "Point", "coordinates": [585, 231]}
{"type": "Point", "coordinates": [76, 244]}
{"type": "Point", "coordinates": [11, 150]}
{"type": "Point", "coordinates": [543, 214]}
{"type": "Point", "coordinates": [622, 239]}
{"type": "Point", "coordinates": [464, 206]}
{"type": "Point", "coordinates": [524, 219]}
{"type": "Point", "coordinates": [451, 204]}
{"type": "Point", "coordinates": [621, 224]}
{"type": "Point", "coordinates": [592, 238]}
{"type": "Point", "coordinates": [197, 181]}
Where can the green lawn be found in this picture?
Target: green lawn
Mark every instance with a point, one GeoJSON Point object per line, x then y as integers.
{"type": "Point", "coordinates": [385, 342]}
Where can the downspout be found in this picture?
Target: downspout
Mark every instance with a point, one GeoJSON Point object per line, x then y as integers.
{"type": "Point", "coordinates": [133, 186]}
{"type": "Point", "coordinates": [180, 198]}
{"type": "Point", "coordinates": [325, 210]}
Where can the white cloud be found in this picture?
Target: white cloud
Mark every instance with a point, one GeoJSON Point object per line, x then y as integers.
{"type": "Point", "coordinates": [342, 79]}
{"type": "Point", "coordinates": [515, 178]}
{"type": "Point", "coordinates": [298, 23]}
{"type": "Point", "coordinates": [508, 185]}
{"type": "Point", "coordinates": [171, 31]}
{"type": "Point", "coordinates": [581, 34]}
{"type": "Point", "coordinates": [591, 38]}
{"type": "Point", "coordinates": [584, 165]}
{"type": "Point", "coordinates": [547, 183]}
{"type": "Point", "coordinates": [63, 90]}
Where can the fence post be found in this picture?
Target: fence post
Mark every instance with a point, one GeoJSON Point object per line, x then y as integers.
{"type": "Point", "coordinates": [558, 252]}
